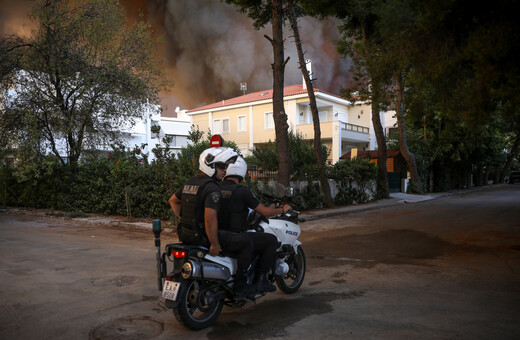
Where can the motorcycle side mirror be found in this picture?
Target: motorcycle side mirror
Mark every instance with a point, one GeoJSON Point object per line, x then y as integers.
{"type": "Point", "coordinates": [289, 192]}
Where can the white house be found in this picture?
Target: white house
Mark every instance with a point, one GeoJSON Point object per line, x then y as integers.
{"type": "Point", "coordinates": [176, 128]}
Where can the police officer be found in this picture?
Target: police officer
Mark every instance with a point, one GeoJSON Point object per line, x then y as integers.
{"type": "Point", "coordinates": [236, 202]}
{"type": "Point", "coordinates": [196, 203]}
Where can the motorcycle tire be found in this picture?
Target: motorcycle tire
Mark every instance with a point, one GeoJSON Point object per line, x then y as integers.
{"type": "Point", "coordinates": [192, 311]}
{"type": "Point", "coordinates": [291, 282]}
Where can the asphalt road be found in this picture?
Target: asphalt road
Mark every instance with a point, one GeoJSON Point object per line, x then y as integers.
{"type": "Point", "coordinates": [441, 269]}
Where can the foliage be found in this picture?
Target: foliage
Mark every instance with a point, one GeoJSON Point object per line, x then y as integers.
{"type": "Point", "coordinates": [458, 67]}
{"type": "Point", "coordinates": [302, 159]}
{"type": "Point", "coordinates": [119, 182]}
{"type": "Point", "coordinates": [354, 178]}
{"type": "Point", "coordinates": [309, 197]}
{"type": "Point", "coordinates": [81, 77]}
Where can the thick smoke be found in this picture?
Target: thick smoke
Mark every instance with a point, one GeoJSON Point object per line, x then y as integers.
{"type": "Point", "coordinates": [211, 48]}
{"type": "Point", "coordinates": [13, 17]}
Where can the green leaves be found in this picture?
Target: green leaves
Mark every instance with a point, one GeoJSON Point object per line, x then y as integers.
{"type": "Point", "coordinates": [82, 76]}
{"type": "Point", "coordinates": [354, 179]}
{"type": "Point", "coordinates": [302, 158]}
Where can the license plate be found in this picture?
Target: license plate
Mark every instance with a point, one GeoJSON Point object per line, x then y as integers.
{"type": "Point", "coordinates": [170, 290]}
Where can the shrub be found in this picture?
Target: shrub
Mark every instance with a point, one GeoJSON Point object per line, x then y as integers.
{"type": "Point", "coordinates": [354, 179]}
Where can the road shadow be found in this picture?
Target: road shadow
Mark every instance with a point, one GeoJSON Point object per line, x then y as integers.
{"type": "Point", "coordinates": [269, 319]}
{"type": "Point", "coordinates": [400, 246]}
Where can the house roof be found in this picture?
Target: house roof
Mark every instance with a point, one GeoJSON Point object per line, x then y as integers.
{"type": "Point", "coordinates": [288, 91]}
{"type": "Point", "coordinates": [372, 154]}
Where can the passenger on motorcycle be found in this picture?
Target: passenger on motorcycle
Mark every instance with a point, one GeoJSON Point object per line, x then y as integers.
{"type": "Point", "coordinates": [197, 202]}
{"type": "Point", "coordinates": [236, 202]}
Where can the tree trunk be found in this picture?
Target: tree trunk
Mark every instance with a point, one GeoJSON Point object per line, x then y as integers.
{"type": "Point", "coordinates": [127, 202]}
{"type": "Point", "coordinates": [382, 190]}
{"type": "Point", "coordinates": [279, 116]}
{"type": "Point", "coordinates": [403, 144]}
{"type": "Point", "coordinates": [487, 171]}
{"type": "Point", "coordinates": [510, 156]}
{"type": "Point", "coordinates": [325, 187]}
{"type": "Point", "coordinates": [479, 176]}
{"type": "Point", "coordinates": [496, 178]}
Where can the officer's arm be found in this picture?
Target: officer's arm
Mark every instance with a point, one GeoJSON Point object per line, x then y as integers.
{"type": "Point", "coordinates": [175, 203]}
{"type": "Point", "coordinates": [211, 223]}
{"type": "Point", "coordinates": [270, 211]}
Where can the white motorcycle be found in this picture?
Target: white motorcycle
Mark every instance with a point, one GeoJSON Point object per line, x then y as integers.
{"type": "Point", "coordinates": [199, 284]}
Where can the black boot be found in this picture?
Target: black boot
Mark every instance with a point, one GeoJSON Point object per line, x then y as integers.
{"type": "Point", "coordinates": [263, 285]}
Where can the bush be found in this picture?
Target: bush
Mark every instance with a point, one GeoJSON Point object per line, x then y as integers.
{"type": "Point", "coordinates": [354, 179]}
{"type": "Point", "coordinates": [310, 197]}
{"type": "Point", "coordinates": [302, 158]}
{"type": "Point", "coordinates": [120, 182]}
{"type": "Point", "coordinates": [124, 182]}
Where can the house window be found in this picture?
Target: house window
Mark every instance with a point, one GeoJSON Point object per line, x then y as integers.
{"type": "Point", "coordinates": [269, 121]}
{"type": "Point", "coordinates": [323, 116]}
{"type": "Point", "coordinates": [241, 124]}
{"type": "Point", "coordinates": [302, 118]}
{"type": "Point", "coordinates": [392, 132]}
{"type": "Point", "coordinates": [221, 125]}
{"type": "Point", "coordinates": [172, 140]}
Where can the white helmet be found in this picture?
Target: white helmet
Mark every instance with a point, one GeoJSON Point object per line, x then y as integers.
{"type": "Point", "coordinates": [239, 169]}
{"type": "Point", "coordinates": [212, 156]}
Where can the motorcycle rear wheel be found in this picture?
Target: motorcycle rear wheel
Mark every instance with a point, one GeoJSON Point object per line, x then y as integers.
{"type": "Point", "coordinates": [291, 282]}
{"type": "Point", "coordinates": [193, 310]}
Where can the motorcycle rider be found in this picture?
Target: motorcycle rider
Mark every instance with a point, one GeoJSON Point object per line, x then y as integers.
{"type": "Point", "coordinates": [196, 203]}
{"type": "Point", "coordinates": [236, 202]}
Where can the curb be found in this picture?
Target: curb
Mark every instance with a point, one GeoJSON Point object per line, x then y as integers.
{"type": "Point", "coordinates": [345, 211]}
{"type": "Point", "coordinates": [399, 198]}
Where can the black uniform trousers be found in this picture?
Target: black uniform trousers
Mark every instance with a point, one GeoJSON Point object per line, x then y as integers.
{"type": "Point", "coordinates": [239, 246]}
{"type": "Point", "coordinates": [264, 244]}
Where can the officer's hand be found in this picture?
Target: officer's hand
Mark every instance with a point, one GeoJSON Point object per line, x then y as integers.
{"type": "Point", "coordinates": [286, 207]}
{"type": "Point", "coordinates": [214, 250]}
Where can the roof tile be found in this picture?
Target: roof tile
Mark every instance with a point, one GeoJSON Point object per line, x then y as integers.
{"type": "Point", "coordinates": [288, 91]}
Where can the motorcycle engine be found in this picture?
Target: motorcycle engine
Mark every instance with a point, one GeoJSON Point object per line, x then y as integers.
{"type": "Point", "coordinates": [281, 268]}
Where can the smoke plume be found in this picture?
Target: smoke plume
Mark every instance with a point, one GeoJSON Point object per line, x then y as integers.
{"type": "Point", "coordinates": [210, 48]}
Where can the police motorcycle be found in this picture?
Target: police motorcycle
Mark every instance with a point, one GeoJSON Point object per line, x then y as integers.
{"type": "Point", "coordinates": [196, 285]}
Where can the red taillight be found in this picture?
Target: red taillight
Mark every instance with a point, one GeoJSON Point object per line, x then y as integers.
{"type": "Point", "coordinates": [178, 254]}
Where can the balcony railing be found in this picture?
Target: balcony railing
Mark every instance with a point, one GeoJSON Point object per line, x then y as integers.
{"type": "Point", "coordinates": [355, 128]}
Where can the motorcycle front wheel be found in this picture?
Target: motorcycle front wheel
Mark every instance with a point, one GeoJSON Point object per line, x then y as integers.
{"type": "Point", "coordinates": [291, 282]}
{"type": "Point", "coordinates": [196, 309]}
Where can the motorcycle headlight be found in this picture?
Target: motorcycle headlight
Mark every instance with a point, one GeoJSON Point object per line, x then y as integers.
{"type": "Point", "coordinates": [186, 270]}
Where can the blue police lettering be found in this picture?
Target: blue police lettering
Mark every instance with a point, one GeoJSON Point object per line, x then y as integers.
{"type": "Point", "coordinates": [293, 233]}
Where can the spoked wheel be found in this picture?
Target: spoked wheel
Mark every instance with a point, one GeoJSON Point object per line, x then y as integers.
{"type": "Point", "coordinates": [292, 281]}
{"type": "Point", "coordinates": [197, 309]}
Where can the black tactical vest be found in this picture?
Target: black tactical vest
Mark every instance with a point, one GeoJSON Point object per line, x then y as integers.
{"type": "Point", "coordinates": [191, 228]}
{"type": "Point", "coordinates": [233, 212]}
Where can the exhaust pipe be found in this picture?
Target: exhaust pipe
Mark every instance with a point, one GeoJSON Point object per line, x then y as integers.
{"type": "Point", "coordinates": [205, 270]}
